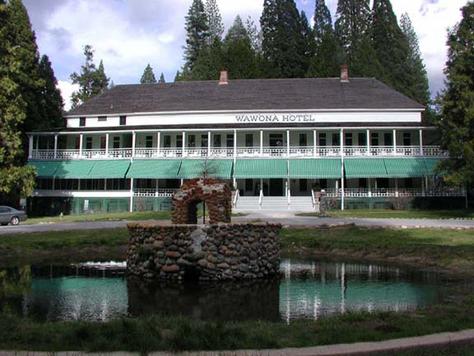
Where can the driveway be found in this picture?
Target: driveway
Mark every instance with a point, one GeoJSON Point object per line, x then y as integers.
{"type": "Point", "coordinates": [284, 218]}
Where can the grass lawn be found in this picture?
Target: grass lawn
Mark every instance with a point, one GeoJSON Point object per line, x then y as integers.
{"type": "Point", "coordinates": [135, 216]}
{"type": "Point", "coordinates": [450, 249]}
{"type": "Point", "coordinates": [402, 214]}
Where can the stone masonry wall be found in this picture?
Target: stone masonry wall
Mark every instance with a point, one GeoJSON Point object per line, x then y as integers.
{"type": "Point", "coordinates": [206, 253]}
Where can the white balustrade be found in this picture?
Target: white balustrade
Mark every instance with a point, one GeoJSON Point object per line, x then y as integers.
{"type": "Point", "coordinates": [393, 192]}
{"type": "Point", "coordinates": [153, 192]}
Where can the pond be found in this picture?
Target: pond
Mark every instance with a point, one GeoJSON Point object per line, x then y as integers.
{"type": "Point", "coordinates": [306, 289]}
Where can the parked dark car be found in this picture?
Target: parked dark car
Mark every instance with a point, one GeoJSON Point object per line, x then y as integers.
{"type": "Point", "coordinates": [11, 216]}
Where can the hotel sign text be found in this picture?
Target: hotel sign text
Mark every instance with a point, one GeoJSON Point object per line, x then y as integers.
{"type": "Point", "coordinates": [280, 117]}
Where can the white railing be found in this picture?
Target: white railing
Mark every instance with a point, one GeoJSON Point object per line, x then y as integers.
{"type": "Point", "coordinates": [150, 192]}
{"type": "Point", "coordinates": [242, 152]}
{"type": "Point", "coordinates": [395, 193]}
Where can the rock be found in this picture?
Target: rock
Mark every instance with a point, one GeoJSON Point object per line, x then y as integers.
{"type": "Point", "coordinates": [223, 266]}
{"type": "Point", "coordinates": [173, 254]}
{"type": "Point", "coordinates": [170, 268]}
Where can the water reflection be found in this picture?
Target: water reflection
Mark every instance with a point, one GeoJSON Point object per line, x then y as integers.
{"type": "Point", "coordinates": [305, 290]}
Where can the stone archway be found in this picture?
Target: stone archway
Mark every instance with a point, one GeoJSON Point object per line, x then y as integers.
{"type": "Point", "coordinates": [216, 194]}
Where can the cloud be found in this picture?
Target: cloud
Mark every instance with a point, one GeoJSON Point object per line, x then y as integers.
{"type": "Point", "coordinates": [67, 89]}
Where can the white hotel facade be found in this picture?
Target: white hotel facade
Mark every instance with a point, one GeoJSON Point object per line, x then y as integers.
{"type": "Point", "coordinates": [276, 141]}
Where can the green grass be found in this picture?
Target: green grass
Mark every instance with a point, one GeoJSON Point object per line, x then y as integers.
{"type": "Point", "coordinates": [401, 214]}
{"type": "Point", "coordinates": [180, 333]}
{"type": "Point", "coordinates": [450, 249]}
{"type": "Point", "coordinates": [135, 216]}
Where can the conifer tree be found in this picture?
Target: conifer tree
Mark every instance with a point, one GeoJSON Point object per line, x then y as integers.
{"type": "Point", "coordinates": [237, 31]}
{"type": "Point", "coordinates": [214, 18]}
{"type": "Point", "coordinates": [208, 64]}
{"type": "Point", "coordinates": [391, 46]}
{"type": "Point", "coordinates": [148, 77]}
{"type": "Point", "coordinates": [52, 102]}
{"type": "Point", "coordinates": [457, 104]}
{"type": "Point", "coordinates": [419, 88]}
{"type": "Point", "coordinates": [197, 33]}
{"type": "Point", "coordinates": [322, 21]}
{"type": "Point", "coordinates": [162, 79]}
{"type": "Point", "coordinates": [92, 81]}
{"type": "Point", "coordinates": [177, 77]}
{"type": "Point", "coordinates": [254, 34]}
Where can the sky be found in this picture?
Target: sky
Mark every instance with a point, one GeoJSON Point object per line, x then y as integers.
{"type": "Point", "coordinates": [129, 34]}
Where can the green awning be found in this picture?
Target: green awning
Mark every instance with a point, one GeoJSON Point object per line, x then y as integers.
{"type": "Point", "coordinates": [216, 168]}
{"type": "Point", "coordinates": [405, 167]}
{"type": "Point", "coordinates": [154, 169]}
{"type": "Point", "coordinates": [261, 168]}
{"type": "Point", "coordinates": [74, 169]}
{"type": "Point", "coordinates": [109, 169]}
{"type": "Point", "coordinates": [45, 169]}
{"type": "Point", "coordinates": [365, 168]}
{"type": "Point", "coordinates": [431, 164]}
{"type": "Point", "coordinates": [315, 168]}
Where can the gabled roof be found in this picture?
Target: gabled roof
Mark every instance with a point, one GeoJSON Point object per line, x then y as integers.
{"type": "Point", "coordinates": [247, 95]}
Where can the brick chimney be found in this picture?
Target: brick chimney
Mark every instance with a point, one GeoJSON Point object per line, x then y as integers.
{"type": "Point", "coordinates": [224, 78]}
{"type": "Point", "coordinates": [344, 73]}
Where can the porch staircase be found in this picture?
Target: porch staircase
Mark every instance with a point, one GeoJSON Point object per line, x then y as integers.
{"type": "Point", "coordinates": [301, 204]}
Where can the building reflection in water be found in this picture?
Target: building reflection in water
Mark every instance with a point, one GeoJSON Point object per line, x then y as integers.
{"type": "Point", "coordinates": [309, 290]}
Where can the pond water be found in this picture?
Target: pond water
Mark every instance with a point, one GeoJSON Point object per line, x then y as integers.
{"type": "Point", "coordinates": [306, 289]}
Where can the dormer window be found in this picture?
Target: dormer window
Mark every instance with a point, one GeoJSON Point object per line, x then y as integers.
{"type": "Point", "coordinates": [102, 118]}
{"type": "Point", "coordinates": [123, 120]}
{"type": "Point", "coordinates": [82, 121]}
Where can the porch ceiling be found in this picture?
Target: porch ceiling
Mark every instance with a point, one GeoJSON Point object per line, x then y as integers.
{"type": "Point", "coordinates": [315, 168]}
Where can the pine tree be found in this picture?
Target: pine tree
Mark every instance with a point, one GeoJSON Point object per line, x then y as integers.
{"type": "Point", "coordinates": [177, 76]}
{"type": "Point", "coordinates": [457, 119]}
{"type": "Point", "coordinates": [419, 88]}
{"type": "Point", "coordinates": [327, 58]}
{"type": "Point", "coordinates": [162, 79]}
{"type": "Point", "coordinates": [237, 31]}
{"type": "Point", "coordinates": [148, 76]}
{"type": "Point", "coordinates": [216, 27]}
{"type": "Point", "coordinates": [391, 46]}
{"type": "Point", "coordinates": [208, 64]}
{"type": "Point", "coordinates": [197, 33]}
{"type": "Point", "coordinates": [52, 102]}
{"type": "Point", "coordinates": [15, 178]}
{"type": "Point", "coordinates": [92, 81]}
{"type": "Point", "coordinates": [254, 34]}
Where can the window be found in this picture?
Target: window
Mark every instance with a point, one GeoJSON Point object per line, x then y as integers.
{"type": "Point", "coordinates": [217, 141]}
{"type": "Point", "coordinates": [102, 142]}
{"type": "Point", "coordinates": [348, 139]}
{"type": "Point", "coordinates": [230, 141]}
{"type": "Point", "coordinates": [102, 118]}
{"type": "Point", "coordinates": [89, 143]}
{"type": "Point", "coordinates": [179, 141]}
{"type": "Point", "coordinates": [362, 137]}
{"type": "Point", "coordinates": [149, 141]}
{"type": "Point", "coordinates": [204, 141]}
{"type": "Point", "coordinates": [303, 140]}
{"type": "Point", "coordinates": [248, 140]}
{"type": "Point", "coordinates": [406, 139]}
{"type": "Point", "coordinates": [388, 139]}
{"type": "Point", "coordinates": [82, 121]}
{"type": "Point", "coordinates": [249, 185]}
{"type": "Point", "coordinates": [77, 143]}
{"type": "Point", "coordinates": [192, 141]}
{"type": "Point", "coordinates": [123, 120]}
{"type": "Point", "coordinates": [374, 139]}
{"type": "Point", "coordinates": [322, 139]}
{"type": "Point", "coordinates": [167, 141]}
{"type": "Point", "coordinates": [336, 139]}
{"type": "Point", "coordinates": [4, 209]}
{"type": "Point", "coordinates": [118, 184]}
{"type": "Point", "coordinates": [116, 142]}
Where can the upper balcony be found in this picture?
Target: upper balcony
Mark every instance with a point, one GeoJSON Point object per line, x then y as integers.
{"type": "Point", "coordinates": [240, 152]}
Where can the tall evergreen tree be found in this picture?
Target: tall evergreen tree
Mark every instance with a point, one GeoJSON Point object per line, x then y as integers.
{"type": "Point", "coordinates": [162, 79]}
{"type": "Point", "coordinates": [148, 77]}
{"type": "Point", "coordinates": [52, 102]}
{"type": "Point", "coordinates": [391, 46]}
{"type": "Point", "coordinates": [327, 58]}
{"type": "Point", "coordinates": [15, 178]}
{"type": "Point", "coordinates": [214, 18]}
{"type": "Point", "coordinates": [92, 81]}
{"type": "Point", "coordinates": [254, 34]}
{"type": "Point", "coordinates": [419, 88]}
{"type": "Point", "coordinates": [197, 33]}
{"type": "Point", "coordinates": [457, 103]}
{"type": "Point", "coordinates": [208, 64]}
{"type": "Point", "coordinates": [237, 31]}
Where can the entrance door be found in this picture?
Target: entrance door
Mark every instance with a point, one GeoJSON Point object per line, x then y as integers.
{"type": "Point", "coordinates": [276, 140]}
{"type": "Point", "coordinates": [276, 188]}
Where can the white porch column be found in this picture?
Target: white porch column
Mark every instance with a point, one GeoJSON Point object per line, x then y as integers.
{"type": "Point", "coordinates": [209, 136]}
{"type": "Point", "coordinates": [30, 146]}
{"type": "Point", "coordinates": [368, 142]}
{"type": "Point", "coordinates": [134, 143]}
{"type": "Point", "coordinates": [107, 136]}
{"type": "Point", "coordinates": [81, 144]}
{"type": "Point", "coordinates": [184, 147]}
{"type": "Point", "coordinates": [396, 187]}
{"type": "Point", "coordinates": [369, 187]}
{"type": "Point", "coordinates": [261, 142]}
{"type": "Point", "coordinates": [342, 168]}
{"type": "Point", "coordinates": [394, 141]}
{"type": "Point", "coordinates": [158, 142]}
{"type": "Point", "coordinates": [288, 143]}
{"type": "Point", "coordinates": [421, 141]}
{"type": "Point", "coordinates": [235, 145]}
{"type": "Point", "coordinates": [55, 146]}
{"type": "Point", "coordinates": [131, 195]}
{"type": "Point", "coordinates": [315, 142]}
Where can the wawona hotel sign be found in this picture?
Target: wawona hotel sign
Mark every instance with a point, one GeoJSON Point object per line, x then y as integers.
{"type": "Point", "coordinates": [287, 118]}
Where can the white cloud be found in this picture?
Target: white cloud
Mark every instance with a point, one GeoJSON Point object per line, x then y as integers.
{"type": "Point", "coordinates": [67, 89]}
